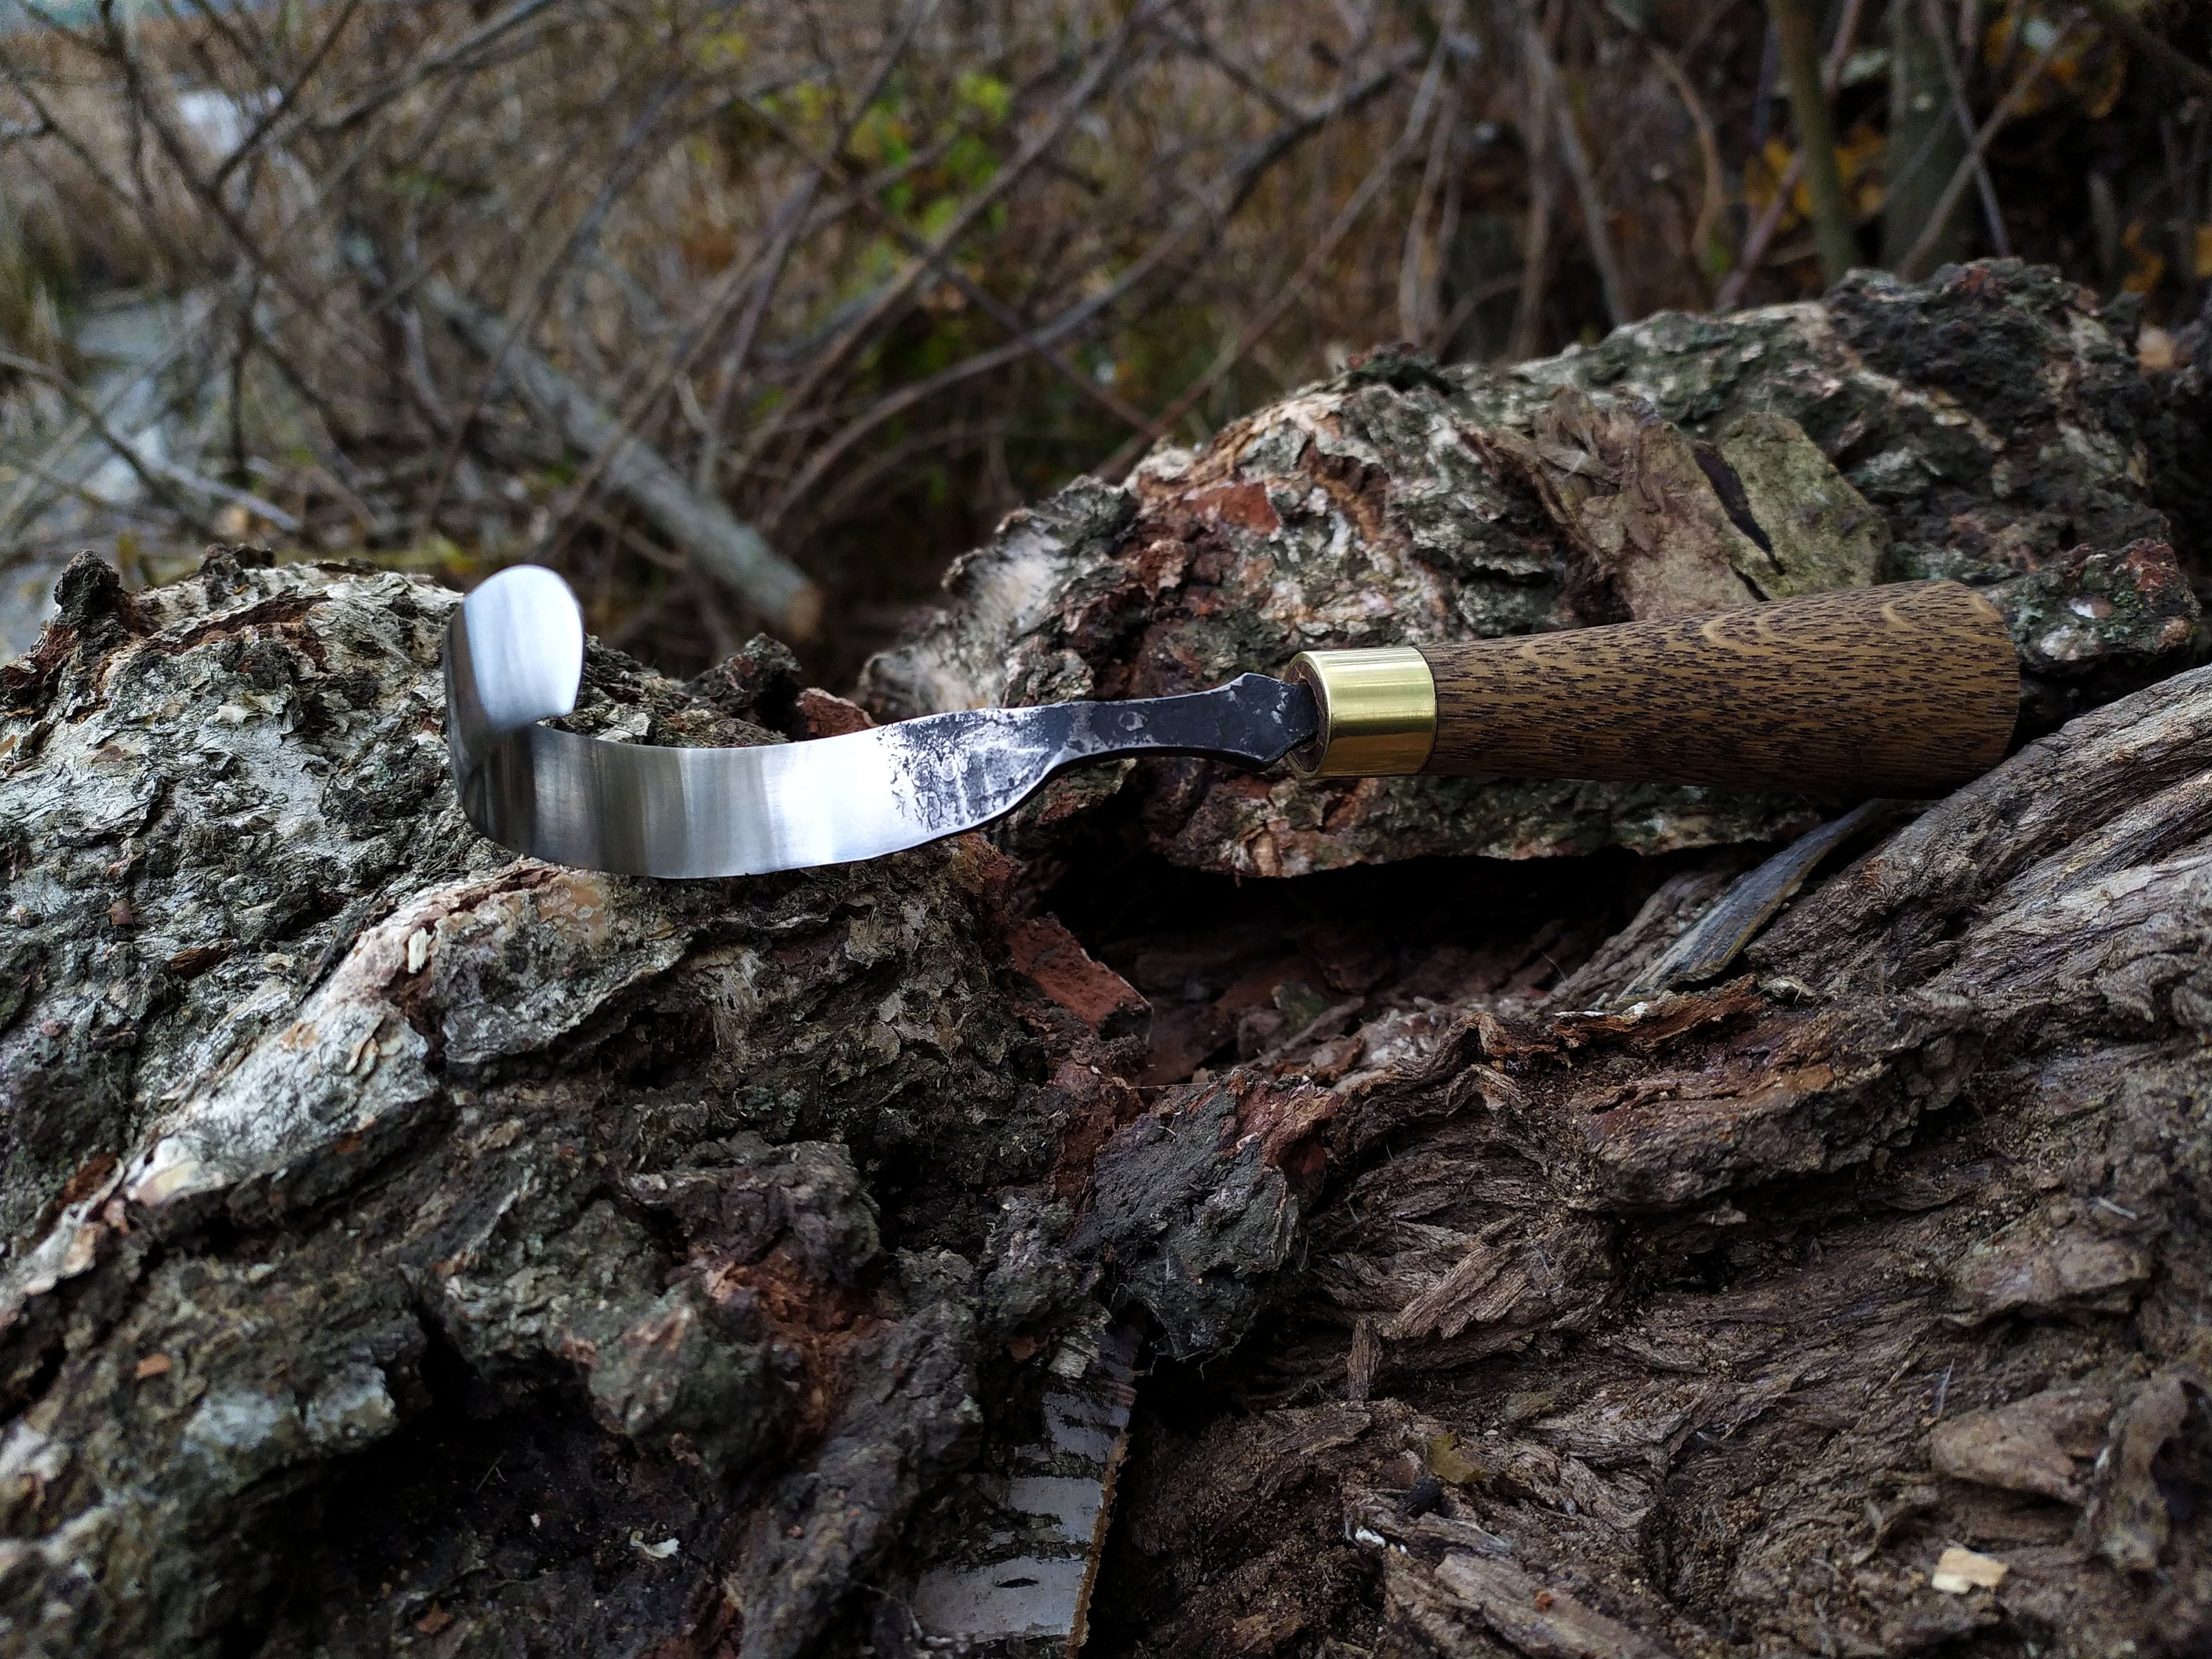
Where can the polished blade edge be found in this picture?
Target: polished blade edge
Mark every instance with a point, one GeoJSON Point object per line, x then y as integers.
{"type": "Point", "coordinates": [689, 813]}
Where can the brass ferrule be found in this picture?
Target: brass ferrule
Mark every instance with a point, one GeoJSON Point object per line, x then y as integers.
{"type": "Point", "coordinates": [1378, 712]}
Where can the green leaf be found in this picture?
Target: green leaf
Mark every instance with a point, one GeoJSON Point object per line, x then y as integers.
{"type": "Point", "coordinates": [986, 95]}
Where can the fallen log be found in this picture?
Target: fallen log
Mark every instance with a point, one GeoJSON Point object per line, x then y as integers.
{"type": "Point", "coordinates": [410, 1247]}
{"type": "Point", "coordinates": [730, 550]}
{"type": "Point", "coordinates": [1987, 427]}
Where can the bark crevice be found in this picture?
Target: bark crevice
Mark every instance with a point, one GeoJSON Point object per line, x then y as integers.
{"type": "Point", "coordinates": [1631, 1234]}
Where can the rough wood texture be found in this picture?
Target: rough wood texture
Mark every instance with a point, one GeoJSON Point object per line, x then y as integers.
{"type": "Point", "coordinates": [408, 1242]}
{"type": "Point", "coordinates": [1909, 689]}
{"type": "Point", "coordinates": [1705, 1326]}
{"type": "Point", "coordinates": [1988, 426]}
{"type": "Point", "coordinates": [410, 1249]}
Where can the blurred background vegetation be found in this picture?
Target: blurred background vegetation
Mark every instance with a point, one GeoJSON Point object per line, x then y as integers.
{"type": "Point", "coordinates": [751, 316]}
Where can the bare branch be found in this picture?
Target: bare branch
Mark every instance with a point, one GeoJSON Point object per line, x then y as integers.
{"type": "Point", "coordinates": [1992, 215]}
{"type": "Point", "coordinates": [1078, 95]}
{"type": "Point", "coordinates": [1196, 216]}
{"type": "Point", "coordinates": [2015, 95]}
{"type": "Point", "coordinates": [1754, 246]}
{"type": "Point", "coordinates": [156, 478]}
{"type": "Point", "coordinates": [737, 554]}
{"type": "Point", "coordinates": [1348, 215]}
{"type": "Point", "coordinates": [1795, 27]}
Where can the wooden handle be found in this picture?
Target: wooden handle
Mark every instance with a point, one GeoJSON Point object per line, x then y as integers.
{"type": "Point", "coordinates": [1906, 690]}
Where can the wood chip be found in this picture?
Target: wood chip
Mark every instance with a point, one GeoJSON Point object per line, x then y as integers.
{"type": "Point", "coordinates": [154, 1365]}
{"type": "Point", "coordinates": [1961, 1570]}
{"type": "Point", "coordinates": [1448, 1463]}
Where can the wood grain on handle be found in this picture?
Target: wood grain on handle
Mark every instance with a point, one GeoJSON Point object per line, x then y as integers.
{"type": "Point", "coordinates": [1904, 689]}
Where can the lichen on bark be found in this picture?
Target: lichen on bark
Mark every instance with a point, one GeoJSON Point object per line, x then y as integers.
{"type": "Point", "coordinates": [1986, 426]}
{"type": "Point", "coordinates": [330, 1123]}
{"type": "Point", "coordinates": [411, 1248]}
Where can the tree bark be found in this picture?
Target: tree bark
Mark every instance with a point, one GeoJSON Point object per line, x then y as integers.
{"type": "Point", "coordinates": [414, 1248]}
{"type": "Point", "coordinates": [1988, 426]}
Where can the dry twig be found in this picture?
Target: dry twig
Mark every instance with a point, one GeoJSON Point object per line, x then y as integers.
{"type": "Point", "coordinates": [2015, 95]}
{"type": "Point", "coordinates": [1795, 28]}
{"type": "Point", "coordinates": [1762, 233]}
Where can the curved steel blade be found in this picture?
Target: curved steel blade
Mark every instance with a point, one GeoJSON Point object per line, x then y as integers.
{"type": "Point", "coordinates": [515, 656]}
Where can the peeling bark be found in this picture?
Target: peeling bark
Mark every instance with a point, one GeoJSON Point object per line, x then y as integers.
{"type": "Point", "coordinates": [1987, 426]}
{"type": "Point", "coordinates": [347, 1153]}
{"type": "Point", "coordinates": [1673, 1245]}
{"type": "Point", "coordinates": [1708, 1323]}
